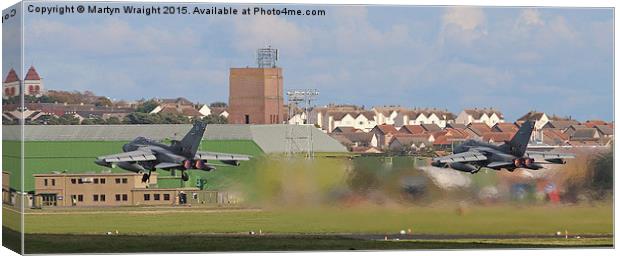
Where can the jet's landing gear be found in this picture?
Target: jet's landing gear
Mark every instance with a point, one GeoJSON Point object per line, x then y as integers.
{"type": "Point", "coordinates": [146, 177]}
{"type": "Point", "coordinates": [477, 170]}
{"type": "Point", "coordinates": [184, 176]}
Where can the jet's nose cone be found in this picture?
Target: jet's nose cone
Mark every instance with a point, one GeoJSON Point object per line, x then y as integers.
{"type": "Point", "coordinates": [102, 162]}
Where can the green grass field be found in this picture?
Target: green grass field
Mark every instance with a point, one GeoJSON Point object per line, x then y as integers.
{"type": "Point", "coordinates": [422, 220]}
{"type": "Point", "coordinates": [78, 157]}
{"type": "Point", "coordinates": [194, 229]}
{"type": "Point", "coordinates": [42, 243]}
{"type": "Point", "coordinates": [90, 244]}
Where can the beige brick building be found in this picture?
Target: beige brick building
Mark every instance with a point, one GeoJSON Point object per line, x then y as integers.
{"type": "Point", "coordinates": [256, 96]}
{"type": "Point", "coordinates": [117, 189]}
{"type": "Point", "coordinates": [6, 188]}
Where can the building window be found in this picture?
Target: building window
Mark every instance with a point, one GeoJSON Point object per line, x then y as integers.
{"type": "Point", "coordinates": [102, 198]}
{"type": "Point", "coordinates": [96, 181]}
{"type": "Point", "coordinates": [80, 181]}
{"type": "Point", "coordinates": [45, 182]}
{"type": "Point", "coordinates": [147, 197]}
{"type": "Point", "coordinates": [80, 198]}
{"type": "Point", "coordinates": [95, 198]}
{"type": "Point", "coordinates": [118, 197]}
{"type": "Point", "coordinates": [167, 197]}
{"type": "Point", "coordinates": [247, 119]}
{"type": "Point", "coordinates": [73, 181]}
{"type": "Point", "coordinates": [117, 180]}
{"type": "Point", "coordinates": [156, 197]}
{"type": "Point", "coordinates": [124, 180]}
{"type": "Point", "coordinates": [102, 181]}
{"type": "Point", "coordinates": [124, 197]}
{"type": "Point", "coordinates": [53, 182]}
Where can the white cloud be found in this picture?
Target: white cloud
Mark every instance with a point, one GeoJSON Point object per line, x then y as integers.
{"type": "Point", "coordinates": [462, 24]}
{"type": "Point", "coordinates": [530, 17]}
{"type": "Point", "coordinates": [561, 29]}
{"type": "Point", "coordinates": [109, 37]}
{"type": "Point", "coordinates": [254, 32]}
{"type": "Point", "coordinates": [465, 18]}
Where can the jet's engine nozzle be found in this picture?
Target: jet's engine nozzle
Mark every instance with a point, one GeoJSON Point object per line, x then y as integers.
{"type": "Point", "coordinates": [463, 167]}
{"type": "Point", "coordinates": [525, 163]}
{"type": "Point", "coordinates": [134, 167]}
{"type": "Point", "coordinates": [439, 164]}
{"type": "Point", "coordinates": [202, 165]}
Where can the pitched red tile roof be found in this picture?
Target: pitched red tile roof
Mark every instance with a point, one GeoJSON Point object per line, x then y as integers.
{"type": "Point", "coordinates": [477, 113]}
{"type": "Point", "coordinates": [560, 124]}
{"type": "Point", "coordinates": [456, 132]}
{"type": "Point", "coordinates": [343, 129]}
{"type": "Point", "coordinates": [532, 115]}
{"type": "Point", "coordinates": [554, 137]}
{"type": "Point", "coordinates": [11, 76]}
{"type": "Point", "coordinates": [431, 127]}
{"type": "Point", "coordinates": [605, 129]}
{"type": "Point", "coordinates": [505, 127]}
{"type": "Point", "coordinates": [386, 128]}
{"type": "Point", "coordinates": [479, 128]}
{"type": "Point", "coordinates": [497, 136]}
{"type": "Point", "coordinates": [32, 74]}
{"type": "Point", "coordinates": [412, 129]}
{"type": "Point", "coordinates": [593, 123]}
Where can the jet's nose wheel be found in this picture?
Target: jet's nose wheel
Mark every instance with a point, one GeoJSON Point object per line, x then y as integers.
{"type": "Point", "coordinates": [184, 176]}
{"type": "Point", "coordinates": [145, 177]}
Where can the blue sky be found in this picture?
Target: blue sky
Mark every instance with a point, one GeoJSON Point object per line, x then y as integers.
{"type": "Point", "coordinates": [556, 60]}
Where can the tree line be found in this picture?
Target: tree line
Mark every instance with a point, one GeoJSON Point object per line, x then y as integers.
{"type": "Point", "coordinates": [132, 118]}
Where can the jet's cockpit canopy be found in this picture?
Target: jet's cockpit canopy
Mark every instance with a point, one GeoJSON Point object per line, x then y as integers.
{"type": "Point", "coordinates": [143, 140]}
{"type": "Point", "coordinates": [469, 143]}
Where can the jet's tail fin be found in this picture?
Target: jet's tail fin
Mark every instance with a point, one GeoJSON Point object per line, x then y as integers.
{"type": "Point", "coordinates": [189, 144]}
{"type": "Point", "coordinates": [518, 143]}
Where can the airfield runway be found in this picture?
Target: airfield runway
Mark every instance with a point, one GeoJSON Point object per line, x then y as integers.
{"type": "Point", "coordinates": [468, 236]}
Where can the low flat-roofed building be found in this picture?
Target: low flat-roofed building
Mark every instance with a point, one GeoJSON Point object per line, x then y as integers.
{"type": "Point", "coordinates": [89, 189]}
{"type": "Point", "coordinates": [6, 188]}
{"type": "Point", "coordinates": [117, 189]}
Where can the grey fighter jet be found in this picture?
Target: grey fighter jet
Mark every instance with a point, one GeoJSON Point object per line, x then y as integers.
{"type": "Point", "coordinates": [472, 155]}
{"type": "Point", "coordinates": [143, 155]}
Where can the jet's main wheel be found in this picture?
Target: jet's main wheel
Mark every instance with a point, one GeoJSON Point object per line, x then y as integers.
{"type": "Point", "coordinates": [185, 176]}
{"type": "Point", "coordinates": [145, 178]}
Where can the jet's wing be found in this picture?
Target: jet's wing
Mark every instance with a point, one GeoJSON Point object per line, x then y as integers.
{"type": "Point", "coordinates": [469, 156]}
{"type": "Point", "coordinates": [166, 165]}
{"type": "Point", "coordinates": [548, 155]}
{"type": "Point", "coordinates": [131, 156]}
{"type": "Point", "coordinates": [495, 165]}
{"type": "Point", "coordinates": [206, 155]}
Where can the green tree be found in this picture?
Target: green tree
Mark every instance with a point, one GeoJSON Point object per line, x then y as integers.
{"type": "Point", "coordinates": [602, 180]}
{"type": "Point", "coordinates": [113, 120]}
{"type": "Point", "coordinates": [218, 104]}
{"type": "Point", "coordinates": [103, 102]}
{"type": "Point", "coordinates": [215, 119]}
{"type": "Point", "coordinates": [68, 119]}
{"type": "Point", "coordinates": [136, 118]}
{"type": "Point", "coordinates": [147, 106]}
{"type": "Point", "coordinates": [169, 118]}
{"type": "Point", "coordinates": [87, 121]}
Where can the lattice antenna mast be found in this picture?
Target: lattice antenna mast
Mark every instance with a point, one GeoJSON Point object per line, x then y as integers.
{"type": "Point", "coordinates": [295, 137]}
{"type": "Point", "coordinates": [266, 57]}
